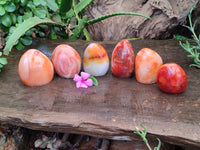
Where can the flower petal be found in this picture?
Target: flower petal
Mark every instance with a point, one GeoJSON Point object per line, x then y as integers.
{"type": "Point", "coordinates": [85, 75]}
{"type": "Point", "coordinates": [89, 82]}
{"type": "Point", "coordinates": [77, 78]}
{"type": "Point", "coordinates": [81, 85]}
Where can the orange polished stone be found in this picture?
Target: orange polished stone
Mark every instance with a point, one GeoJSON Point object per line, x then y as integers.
{"type": "Point", "coordinates": [147, 63]}
{"type": "Point", "coordinates": [123, 58]}
{"type": "Point", "coordinates": [35, 69]}
{"type": "Point", "coordinates": [66, 61]}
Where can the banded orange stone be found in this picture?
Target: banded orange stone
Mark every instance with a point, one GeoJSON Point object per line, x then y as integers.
{"type": "Point", "coordinates": [66, 61]}
{"type": "Point", "coordinates": [95, 60]}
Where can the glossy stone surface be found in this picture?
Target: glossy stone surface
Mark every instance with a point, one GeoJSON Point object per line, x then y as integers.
{"type": "Point", "coordinates": [123, 57]}
{"type": "Point", "coordinates": [147, 63]}
{"type": "Point", "coordinates": [66, 61]}
{"type": "Point", "coordinates": [95, 60]}
{"type": "Point", "coordinates": [171, 78]}
{"type": "Point", "coordinates": [35, 69]}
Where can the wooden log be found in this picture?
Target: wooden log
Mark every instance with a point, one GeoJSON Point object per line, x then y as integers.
{"type": "Point", "coordinates": [165, 14]}
{"type": "Point", "coordinates": [110, 110]}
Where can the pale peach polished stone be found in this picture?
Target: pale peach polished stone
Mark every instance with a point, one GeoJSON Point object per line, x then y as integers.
{"type": "Point", "coordinates": [95, 60]}
{"type": "Point", "coordinates": [147, 64]}
{"type": "Point", "coordinates": [35, 69]}
{"type": "Point", "coordinates": [66, 61]}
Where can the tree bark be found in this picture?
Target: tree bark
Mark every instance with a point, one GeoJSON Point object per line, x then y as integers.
{"type": "Point", "coordinates": [2, 40]}
{"type": "Point", "coordinates": [165, 14]}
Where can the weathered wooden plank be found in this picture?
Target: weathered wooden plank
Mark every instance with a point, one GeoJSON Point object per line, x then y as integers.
{"type": "Point", "coordinates": [110, 110]}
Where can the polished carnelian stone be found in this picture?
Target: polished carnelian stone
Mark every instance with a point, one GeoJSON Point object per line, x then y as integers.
{"type": "Point", "coordinates": [35, 68]}
{"type": "Point", "coordinates": [66, 61]}
{"type": "Point", "coordinates": [147, 63]}
{"type": "Point", "coordinates": [95, 60]}
{"type": "Point", "coordinates": [171, 78]}
{"type": "Point", "coordinates": [123, 58]}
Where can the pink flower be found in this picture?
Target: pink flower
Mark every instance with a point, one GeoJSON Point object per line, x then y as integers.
{"type": "Point", "coordinates": [83, 81]}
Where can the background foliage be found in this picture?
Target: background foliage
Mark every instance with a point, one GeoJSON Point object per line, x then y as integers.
{"type": "Point", "coordinates": [23, 20]}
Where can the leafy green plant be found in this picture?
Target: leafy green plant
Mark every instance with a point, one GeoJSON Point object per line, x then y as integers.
{"type": "Point", "coordinates": [180, 37]}
{"type": "Point", "coordinates": [143, 134]}
{"type": "Point", "coordinates": [193, 50]}
{"type": "Point", "coordinates": [14, 12]}
{"type": "Point", "coordinates": [3, 61]}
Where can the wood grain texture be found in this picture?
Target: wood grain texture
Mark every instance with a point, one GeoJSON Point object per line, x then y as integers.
{"type": "Point", "coordinates": [110, 110]}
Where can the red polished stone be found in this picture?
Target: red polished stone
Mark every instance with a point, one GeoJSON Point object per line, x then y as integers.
{"type": "Point", "coordinates": [123, 58]}
{"type": "Point", "coordinates": [171, 78]}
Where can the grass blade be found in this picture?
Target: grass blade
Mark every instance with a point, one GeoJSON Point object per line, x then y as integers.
{"type": "Point", "coordinates": [115, 14]}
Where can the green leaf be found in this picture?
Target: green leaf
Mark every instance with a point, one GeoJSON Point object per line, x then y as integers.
{"type": "Point", "coordinates": [186, 27]}
{"type": "Point", "coordinates": [31, 5]}
{"type": "Point", "coordinates": [2, 11]}
{"type": "Point", "coordinates": [22, 28]}
{"type": "Point", "coordinates": [21, 10]}
{"type": "Point", "coordinates": [27, 40]}
{"type": "Point", "coordinates": [11, 30]}
{"type": "Point", "coordinates": [27, 15]}
{"type": "Point", "coordinates": [180, 37]}
{"type": "Point", "coordinates": [40, 12]}
{"type": "Point", "coordinates": [20, 46]}
{"type": "Point", "coordinates": [1, 66]}
{"type": "Point", "coordinates": [43, 3]}
{"type": "Point", "coordinates": [3, 61]}
{"type": "Point", "coordinates": [79, 28]}
{"type": "Point", "coordinates": [115, 14]}
{"type": "Point", "coordinates": [29, 32]}
{"type": "Point", "coordinates": [36, 2]}
{"type": "Point", "coordinates": [57, 18]}
{"type": "Point", "coordinates": [159, 145]}
{"type": "Point", "coordinates": [53, 33]}
{"type": "Point", "coordinates": [6, 20]}
{"type": "Point", "coordinates": [41, 34]}
{"type": "Point", "coordinates": [194, 24]}
{"type": "Point", "coordinates": [10, 7]}
{"type": "Point", "coordinates": [13, 18]}
{"type": "Point", "coordinates": [65, 6]}
{"type": "Point", "coordinates": [79, 7]}
{"type": "Point", "coordinates": [24, 2]}
{"type": "Point", "coordinates": [19, 19]}
{"type": "Point", "coordinates": [2, 2]}
{"type": "Point", "coordinates": [51, 4]}
{"type": "Point", "coordinates": [95, 82]}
